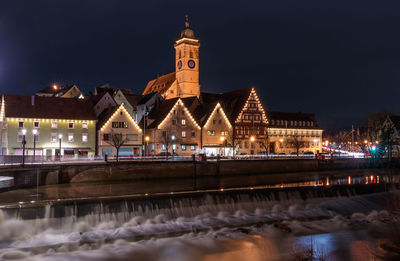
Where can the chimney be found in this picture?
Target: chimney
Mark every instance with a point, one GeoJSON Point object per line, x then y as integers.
{"type": "Point", "coordinates": [33, 100]}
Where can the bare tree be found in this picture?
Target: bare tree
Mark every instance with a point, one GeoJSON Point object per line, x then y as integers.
{"type": "Point", "coordinates": [117, 140]}
{"type": "Point", "coordinates": [232, 140]}
{"type": "Point", "coordinates": [264, 142]}
{"type": "Point", "coordinates": [388, 138]}
{"type": "Point", "coordinates": [168, 139]}
{"type": "Point", "coordinates": [295, 142]}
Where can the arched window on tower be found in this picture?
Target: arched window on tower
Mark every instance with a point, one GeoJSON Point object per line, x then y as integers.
{"type": "Point", "coordinates": [191, 54]}
{"type": "Point", "coordinates": [180, 54]}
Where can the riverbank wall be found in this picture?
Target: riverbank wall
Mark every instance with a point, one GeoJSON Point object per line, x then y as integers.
{"type": "Point", "coordinates": [139, 170]}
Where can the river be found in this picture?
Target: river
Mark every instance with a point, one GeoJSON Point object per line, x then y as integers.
{"type": "Point", "coordinates": [337, 215]}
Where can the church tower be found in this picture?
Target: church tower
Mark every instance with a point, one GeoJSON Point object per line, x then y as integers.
{"type": "Point", "coordinates": [187, 63]}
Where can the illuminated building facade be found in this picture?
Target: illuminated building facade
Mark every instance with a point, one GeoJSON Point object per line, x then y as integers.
{"type": "Point", "coordinates": [117, 127]}
{"type": "Point", "coordinates": [292, 133]}
{"type": "Point", "coordinates": [172, 128]}
{"type": "Point", "coordinates": [52, 119]}
{"type": "Point", "coordinates": [184, 82]}
{"type": "Point", "coordinates": [232, 122]}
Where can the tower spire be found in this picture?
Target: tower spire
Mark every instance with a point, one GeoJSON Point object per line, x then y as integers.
{"type": "Point", "coordinates": [186, 21]}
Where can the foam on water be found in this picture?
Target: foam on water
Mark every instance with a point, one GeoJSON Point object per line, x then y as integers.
{"type": "Point", "coordinates": [191, 228]}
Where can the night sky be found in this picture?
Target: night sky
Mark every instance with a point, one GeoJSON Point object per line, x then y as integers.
{"type": "Point", "coordinates": [338, 59]}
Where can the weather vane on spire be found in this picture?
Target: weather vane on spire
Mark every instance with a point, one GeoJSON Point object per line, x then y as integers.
{"type": "Point", "coordinates": [187, 21]}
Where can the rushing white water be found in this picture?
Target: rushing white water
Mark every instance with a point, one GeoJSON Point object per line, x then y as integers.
{"type": "Point", "coordinates": [208, 229]}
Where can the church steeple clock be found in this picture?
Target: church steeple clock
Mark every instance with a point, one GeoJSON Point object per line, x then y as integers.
{"type": "Point", "coordinates": [187, 63]}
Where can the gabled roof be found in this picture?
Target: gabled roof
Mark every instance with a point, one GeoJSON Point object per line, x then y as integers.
{"type": "Point", "coordinates": [158, 114]}
{"type": "Point", "coordinates": [231, 102]}
{"type": "Point", "coordinates": [160, 84]}
{"type": "Point", "coordinates": [106, 116]}
{"type": "Point", "coordinates": [133, 99]}
{"type": "Point", "coordinates": [396, 121]}
{"type": "Point", "coordinates": [39, 107]}
{"type": "Point", "coordinates": [96, 98]}
{"type": "Point", "coordinates": [146, 98]}
{"type": "Point", "coordinates": [56, 92]}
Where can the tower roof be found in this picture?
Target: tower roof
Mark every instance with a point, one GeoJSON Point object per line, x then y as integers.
{"type": "Point", "coordinates": [187, 32]}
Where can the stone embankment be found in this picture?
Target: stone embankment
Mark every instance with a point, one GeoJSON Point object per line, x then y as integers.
{"type": "Point", "coordinates": [139, 170]}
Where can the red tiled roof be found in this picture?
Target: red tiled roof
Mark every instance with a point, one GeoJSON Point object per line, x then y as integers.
{"type": "Point", "coordinates": [24, 106]}
{"type": "Point", "coordinates": [160, 84]}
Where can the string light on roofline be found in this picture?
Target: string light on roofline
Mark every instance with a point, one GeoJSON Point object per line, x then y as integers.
{"type": "Point", "coordinates": [252, 92]}
{"type": "Point", "coordinates": [121, 107]}
{"type": "Point", "coordinates": [180, 103]}
{"type": "Point", "coordinates": [223, 114]}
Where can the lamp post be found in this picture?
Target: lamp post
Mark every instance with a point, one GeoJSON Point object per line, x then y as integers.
{"type": "Point", "coordinates": [147, 139]}
{"type": "Point", "coordinates": [315, 146]}
{"type": "Point", "coordinates": [59, 151]}
{"type": "Point", "coordinates": [34, 131]}
{"type": "Point", "coordinates": [252, 139]}
{"type": "Point", "coordinates": [222, 144]}
{"type": "Point", "coordinates": [23, 146]}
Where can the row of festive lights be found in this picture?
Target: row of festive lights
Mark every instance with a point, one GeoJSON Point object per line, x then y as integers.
{"type": "Point", "coordinates": [218, 106]}
{"type": "Point", "coordinates": [47, 120]}
{"type": "Point", "coordinates": [121, 107]}
{"type": "Point", "coordinates": [366, 142]}
{"type": "Point", "coordinates": [260, 107]}
{"type": "Point", "coordinates": [179, 103]}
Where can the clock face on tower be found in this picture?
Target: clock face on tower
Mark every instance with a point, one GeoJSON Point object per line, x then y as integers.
{"type": "Point", "coordinates": [179, 64]}
{"type": "Point", "coordinates": [191, 64]}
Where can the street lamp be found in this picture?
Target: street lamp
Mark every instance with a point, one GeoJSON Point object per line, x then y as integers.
{"type": "Point", "coordinates": [59, 153]}
{"type": "Point", "coordinates": [222, 144]}
{"type": "Point", "coordinates": [34, 131]}
{"type": "Point", "coordinates": [147, 139]}
{"type": "Point", "coordinates": [315, 146]}
{"type": "Point", "coordinates": [23, 146]}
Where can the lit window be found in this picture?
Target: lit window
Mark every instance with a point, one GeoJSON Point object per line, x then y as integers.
{"type": "Point", "coordinates": [20, 124]}
{"type": "Point", "coordinates": [183, 122]}
{"type": "Point", "coordinates": [174, 146]}
{"type": "Point", "coordinates": [84, 124]}
{"type": "Point", "coordinates": [222, 133]}
{"type": "Point", "coordinates": [192, 147]}
{"type": "Point", "coordinates": [164, 147]}
{"type": "Point", "coordinates": [53, 137]}
{"type": "Point", "coordinates": [70, 125]}
{"type": "Point", "coordinates": [152, 147]}
{"type": "Point", "coordinates": [84, 137]}
{"type": "Point", "coordinates": [54, 124]}
{"type": "Point", "coordinates": [36, 124]}
{"type": "Point", "coordinates": [183, 133]}
{"type": "Point", "coordinates": [183, 147]}
{"type": "Point", "coordinates": [70, 137]}
{"type": "Point", "coordinates": [226, 133]}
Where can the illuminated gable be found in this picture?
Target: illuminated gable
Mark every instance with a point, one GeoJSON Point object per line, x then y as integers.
{"type": "Point", "coordinates": [218, 106]}
{"type": "Point", "coordinates": [179, 103]}
{"type": "Point", "coordinates": [253, 93]}
{"type": "Point", "coordinates": [121, 108]}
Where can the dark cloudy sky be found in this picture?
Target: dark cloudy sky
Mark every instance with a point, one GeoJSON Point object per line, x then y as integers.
{"type": "Point", "coordinates": [339, 59]}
